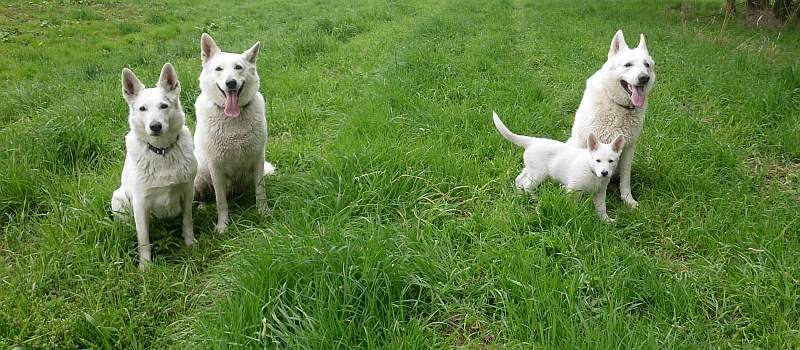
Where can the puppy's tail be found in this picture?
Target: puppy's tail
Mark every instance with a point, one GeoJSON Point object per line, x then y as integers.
{"type": "Point", "coordinates": [519, 140]}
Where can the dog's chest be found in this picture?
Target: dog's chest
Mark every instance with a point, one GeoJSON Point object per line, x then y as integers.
{"type": "Point", "coordinates": [583, 179]}
{"type": "Point", "coordinates": [611, 121]}
{"type": "Point", "coordinates": [244, 136]}
{"type": "Point", "coordinates": [176, 166]}
{"type": "Point", "coordinates": [167, 201]}
{"type": "Point", "coordinates": [162, 179]}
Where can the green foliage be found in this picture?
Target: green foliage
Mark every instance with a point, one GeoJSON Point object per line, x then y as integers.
{"type": "Point", "coordinates": [395, 223]}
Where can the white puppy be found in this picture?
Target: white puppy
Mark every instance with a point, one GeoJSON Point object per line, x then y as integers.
{"type": "Point", "coordinates": [231, 133]}
{"type": "Point", "coordinates": [577, 169]}
{"type": "Point", "coordinates": [614, 103]}
{"type": "Point", "coordinates": [159, 166]}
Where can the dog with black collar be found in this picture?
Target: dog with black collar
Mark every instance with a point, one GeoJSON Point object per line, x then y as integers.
{"type": "Point", "coordinates": [160, 166]}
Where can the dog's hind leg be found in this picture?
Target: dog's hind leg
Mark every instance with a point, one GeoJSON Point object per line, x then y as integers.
{"type": "Point", "coordinates": [527, 180]}
{"type": "Point", "coordinates": [119, 202]}
{"type": "Point", "coordinates": [625, 163]}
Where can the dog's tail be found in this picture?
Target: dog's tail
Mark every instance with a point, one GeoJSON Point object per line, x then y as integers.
{"type": "Point", "coordinates": [519, 140]}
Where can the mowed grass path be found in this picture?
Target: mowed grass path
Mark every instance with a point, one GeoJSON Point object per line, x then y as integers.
{"type": "Point", "coordinates": [395, 223]}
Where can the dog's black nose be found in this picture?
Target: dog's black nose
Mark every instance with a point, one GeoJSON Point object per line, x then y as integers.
{"type": "Point", "coordinates": [155, 126]}
{"type": "Point", "coordinates": [643, 79]}
{"type": "Point", "coordinates": [231, 84]}
{"type": "Point", "coordinates": [604, 173]}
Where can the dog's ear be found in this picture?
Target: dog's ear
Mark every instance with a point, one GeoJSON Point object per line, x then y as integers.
{"type": "Point", "coordinates": [131, 86]}
{"type": "Point", "coordinates": [169, 80]}
{"type": "Point", "coordinates": [252, 53]}
{"type": "Point", "coordinates": [617, 44]}
{"type": "Point", "coordinates": [592, 143]}
{"type": "Point", "coordinates": [642, 44]}
{"type": "Point", "coordinates": [618, 143]}
{"type": "Point", "coordinates": [208, 48]}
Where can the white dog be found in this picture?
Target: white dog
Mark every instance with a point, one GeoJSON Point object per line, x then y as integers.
{"type": "Point", "coordinates": [159, 166]}
{"type": "Point", "coordinates": [578, 169]}
{"type": "Point", "coordinates": [614, 104]}
{"type": "Point", "coordinates": [231, 133]}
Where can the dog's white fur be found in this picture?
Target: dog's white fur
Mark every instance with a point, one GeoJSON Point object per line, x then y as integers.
{"type": "Point", "coordinates": [153, 184]}
{"type": "Point", "coordinates": [230, 140]}
{"type": "Point", "coordinates": [610, 107]}
{"type": "Point", "coordinates": [578, 169]}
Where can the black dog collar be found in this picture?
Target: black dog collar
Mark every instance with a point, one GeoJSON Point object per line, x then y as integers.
{"type": "Point", "coordinates": [630, 108]}
{"type": "Point", "coordinates": [162, 151]}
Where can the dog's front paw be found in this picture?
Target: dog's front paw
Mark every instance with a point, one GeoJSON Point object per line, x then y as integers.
{"type": "Point", "coordinates": [605, 217]}
{"type": "Point", "coordinates": [190, 241]}
{"type": "Point", "coordinates": [263, 208]}
{"type": "Point", "coordinates": [221, 227]}
{"type": "Point", "coordinates": [630, 202]}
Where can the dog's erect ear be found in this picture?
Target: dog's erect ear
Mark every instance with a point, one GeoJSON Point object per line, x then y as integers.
{"type": "Point", "coordinates": [131, 86]}
{"type": "Point", "coordinates": [169, 80]}
{"type": "Point", "coordinates": [208, 48]}
{"type": "Point", "coordinates": [592, 143]}
{"type": "Point", "coordinates": [252, 53]}
{"type": "Point", "coordinates": [617, 44]}
{"type": "Point", "coordinates": [618, 143]}
{"type": "Point", "coordinates": [642, 44]}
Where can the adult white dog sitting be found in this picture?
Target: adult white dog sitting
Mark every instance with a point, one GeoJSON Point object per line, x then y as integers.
{"type": "Point", "coordinates": [614, 103]}
{"type": "Point", "coordinates": [231, 133]}
{"type": "Point", "coordinates": [160, 167]}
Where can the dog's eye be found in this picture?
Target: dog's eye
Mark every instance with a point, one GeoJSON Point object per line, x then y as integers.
{"type": "Point", "coordinates": [142, 108]}
{"type": "Point", "coordinates": [598, 160]}
{"type": "Point", "coordinates": [218, 69]}
{"type": "Point", "coordinates": [163, 106]}
{"type": "Point", "coordinates": [611, 161]}
{"type": "Point", "coordinates": [628, 64]}
{"type": "Point", "coordinates": [237, 67]}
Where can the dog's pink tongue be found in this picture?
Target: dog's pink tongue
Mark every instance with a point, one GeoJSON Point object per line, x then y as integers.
{"type": "Point", "coordinates": [232, 105]}
{"type": "Point", "coordinates": [637, 96]}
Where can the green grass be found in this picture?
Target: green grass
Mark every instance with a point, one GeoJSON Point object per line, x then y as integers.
{"type": "Point", "coordinates": [395, 223]}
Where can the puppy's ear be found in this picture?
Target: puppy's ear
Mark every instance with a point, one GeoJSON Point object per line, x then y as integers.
{"type": "Point", "coordinates": [617, 44]}
{"type": "Point", "coordinates": [592, 143]}
{"type": "Point", "coordinates": [252, 53]}
{"type": "Point", "coordinates": [208, 48]}
{"type": "Point", "coordinates": [618, 144]}
{"type": "Point", "coordinates": [642, 44]}
{"type": "Point", "coordinates": [131, 86]}
{"type": "Point", "coordinates": [169, 80]}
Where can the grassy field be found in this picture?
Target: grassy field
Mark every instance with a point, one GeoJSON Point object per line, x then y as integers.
{"type": "Point", "coordinates": [395, 223]}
